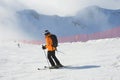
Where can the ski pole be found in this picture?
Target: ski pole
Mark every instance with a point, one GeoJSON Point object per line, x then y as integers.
{"type": "Point", "coordinates": [46, 59]}
{"type": "Point", "coordinates": [60, 51]}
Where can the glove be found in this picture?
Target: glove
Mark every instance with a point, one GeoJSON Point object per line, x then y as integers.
{"type": "Point", "coordinates": [43, 47]}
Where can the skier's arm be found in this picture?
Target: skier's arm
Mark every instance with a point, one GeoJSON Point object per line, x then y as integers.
{"type": "Point", "coordinates": [48, 42]}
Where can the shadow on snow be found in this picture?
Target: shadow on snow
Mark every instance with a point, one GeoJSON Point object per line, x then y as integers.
{"type": "Point", "coordinates": [82, 67]}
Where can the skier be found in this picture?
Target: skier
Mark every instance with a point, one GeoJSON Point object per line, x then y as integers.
{"type": "Point", "coordinates": [55, 63]}
{"type": "Point", "coordinates": [18, 45]}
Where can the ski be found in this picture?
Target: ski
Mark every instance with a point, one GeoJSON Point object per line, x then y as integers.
{"type": "Point", "coordinates": [46, 68]}
{"type": "Point", "coordinates": [42, 69]}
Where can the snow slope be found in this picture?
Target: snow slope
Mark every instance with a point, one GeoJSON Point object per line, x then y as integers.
{"type": "Point", "coordinates": [92, 60]}
{"type": "Point", "coordinates": [90, 20]}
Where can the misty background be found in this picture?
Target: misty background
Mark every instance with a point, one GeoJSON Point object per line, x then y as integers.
{"type": "Point", "coordinates": [11, 26]}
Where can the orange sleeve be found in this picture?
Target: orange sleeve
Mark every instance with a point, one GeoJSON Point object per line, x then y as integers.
{"type": "Point", "coordinates": [48, 42]}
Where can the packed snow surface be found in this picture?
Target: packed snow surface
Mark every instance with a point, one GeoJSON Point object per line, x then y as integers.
{"type": "Point", "coordinates": [92, 60]}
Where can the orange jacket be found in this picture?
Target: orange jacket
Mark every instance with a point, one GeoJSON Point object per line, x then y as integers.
{"type": "Point", "coordinates": [49, 43]}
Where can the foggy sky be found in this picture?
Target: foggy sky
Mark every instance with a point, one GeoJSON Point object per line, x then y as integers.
{"type": "Point", "coordinates": [8, 22]}
{"type": "Point", "coordinates": [67, 7]}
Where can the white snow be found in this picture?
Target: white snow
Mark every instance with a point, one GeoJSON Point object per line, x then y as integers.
{"type": "Point", "coordinates": [92, 60]}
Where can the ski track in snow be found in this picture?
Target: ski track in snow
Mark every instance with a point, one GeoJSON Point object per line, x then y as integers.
{"type": "Point", "coordinates": [92, 60]}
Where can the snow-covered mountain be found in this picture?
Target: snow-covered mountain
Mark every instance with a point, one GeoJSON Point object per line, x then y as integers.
{"type": "Point", "coordinates": [87, 21]}
{"type": "Point", "coordinates": [92, 60]}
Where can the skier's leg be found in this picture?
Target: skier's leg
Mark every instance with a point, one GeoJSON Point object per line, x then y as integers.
{"type": "Point", "coordinates": [50, 58]}
{"type": "Point", "coordinates": [55, 58]}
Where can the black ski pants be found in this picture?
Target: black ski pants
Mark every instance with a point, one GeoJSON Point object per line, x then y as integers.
{"type": "Point", "coordinates": [52, 58]}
